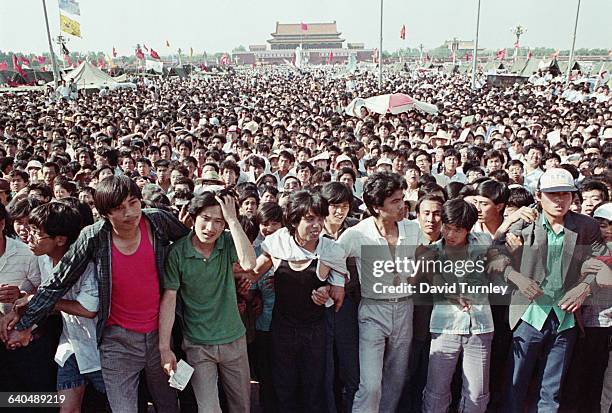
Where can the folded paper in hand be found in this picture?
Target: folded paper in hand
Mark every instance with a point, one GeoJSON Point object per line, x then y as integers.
{"type": "Point", "coordinates": [181, 376]}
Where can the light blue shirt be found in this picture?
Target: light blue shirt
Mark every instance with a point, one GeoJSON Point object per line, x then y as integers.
{"type": "Point", "coordinates": [447, 317]}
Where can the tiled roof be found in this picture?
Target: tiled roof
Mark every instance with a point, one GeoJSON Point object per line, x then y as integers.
{"type": "Point", "coordinates": [284, 29]}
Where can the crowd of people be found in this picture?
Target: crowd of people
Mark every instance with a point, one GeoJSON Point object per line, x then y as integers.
{"type": "Point", "coordinates": [236, 222]}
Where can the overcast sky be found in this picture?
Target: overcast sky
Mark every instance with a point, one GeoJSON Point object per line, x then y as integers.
{"type": "Point", "coordinates": [216, 26]}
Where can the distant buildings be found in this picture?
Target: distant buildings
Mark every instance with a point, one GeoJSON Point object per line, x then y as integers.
{"type": "Point", "coordinates": [319, 42]}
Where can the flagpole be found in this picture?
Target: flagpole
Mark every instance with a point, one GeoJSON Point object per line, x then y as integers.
{"type": "Point", "coordinates": [475, 52]}
{"type": "Point", "coordinates": [380, 50]}
{"type": "Point", "coordinates": [53, 61]}
{"type": "Point", "coordinates": [571, 58]}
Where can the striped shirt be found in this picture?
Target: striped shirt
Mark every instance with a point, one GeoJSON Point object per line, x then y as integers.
{"type": "Point", "coordinates": [19, 267]}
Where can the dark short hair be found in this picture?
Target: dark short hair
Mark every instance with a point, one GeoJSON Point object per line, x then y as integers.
{"type": "Point", "coordinates": [246, 194]}
{"type": "Point", "coordinates": [496, 191]}
{"type": "Point", "coordinates": [144, 160]}
{"type": "Point", "coordinates": [500, 176]}
{"type": "Point", "coordinates": [429, 198]}
{"type": "Point", "coordinates": [268, 188]}
{"type": "Point", "coordinates": [430, 188]}
{"type": "Point", "coordinates": [185, 181]}
{"type": "Point", "coordinates": [229, 164]}
{"type": "Point", "coordinates": [269, 211]}
{"type": "Point", "coordinates": [301, 203]}
{"type": "Point", "coordinates": [520, 197]}
{"type": "Point", "coordinates": [595, 185]}
{"type": "Point", "coordinates": [112, 191]}
{"type": "Point", "coordinates": [82, 208]}
{"type": "Point", "coordinates": [287, 155]}
{"type": "Point", "coordinates": [57, 219]}
{"type": "Point", "coordinates": [349, 171]}
{"type": "Point", "coordinates": [21, 207]}
{"type": "Point", "coordinates": [69, 186]}
{"type": "Point", "coordinates": [336, 193]}
{"type": "Point", "coordinates": [199, 202]}
{"type": "Point", "coordinates": [515, 162]}
{"type": "Point", "coordinates": [453, 189]}
{"type": "Point", "coordinates": [207, 199]}
{"type": "Point", "coordinates": [17, 173]}
{"type": "Point", "coordinates": [460, 213]}
{"type": "Point", "coordinates": [163, 163]}
{"type": "Point", "coordinates": [44, 189]}
{"type": "Point", "coordinates": [379, 187]}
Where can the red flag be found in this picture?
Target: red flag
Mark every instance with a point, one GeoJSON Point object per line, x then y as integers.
{"type": "Point", "coordinates": [403, 32]}
{"type": "Point", "coordinates": [516, 44]}
{"type": "Point", "coordinates": [145, 47]}
{"type": "Point", "coordinates": [529, 55]}
{"type": "Point", "coordinates": [17, 67]}
{"type": "Point", "coordinates": [68, 60]}
{"type": "Point", "coordinates": [501, 54]}
{"type": "Point", "coordinates": [79, 62]}
{"type": "Point", "coordinates": [3, 66]}
{"type": "Point", "coordinates": [139, 54]}
{"type": "Point", "coordinates": [331, 57]}
{"type": "Point", "coordinates": [114, 52]}
{"type": "Point", "coordinates": [468, 57]}
{"type": "Point", "coordinates": [154, 54]}
{"type": "Point", "coordinates": [24, 60]}
{"type": "Point", "coordinates": [304, 26]}
{"type": "Point", "coordinates": [225, 60]}
{"type": "Point", "coordinates": [41, 60]}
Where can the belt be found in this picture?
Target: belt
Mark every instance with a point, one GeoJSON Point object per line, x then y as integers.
{"type": "Point", "coordinates": [389, 300]}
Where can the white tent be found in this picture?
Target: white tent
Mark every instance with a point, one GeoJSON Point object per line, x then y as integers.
{"type": "Point", "coordinates": [87, 76]}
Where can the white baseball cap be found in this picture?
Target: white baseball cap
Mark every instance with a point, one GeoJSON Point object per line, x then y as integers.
{"type": "Point", "coordinates": [557, 180]}
{"type": "Point", "coordinates": [604, 211]}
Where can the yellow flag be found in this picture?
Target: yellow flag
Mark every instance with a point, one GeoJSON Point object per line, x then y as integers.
{"type": "Point", "coordinates": [191, 52]}
{"type": "Point", "coordinates": [70, 26]}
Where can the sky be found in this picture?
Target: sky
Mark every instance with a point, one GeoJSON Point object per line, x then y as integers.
{"type": "Point", "coordinates": [220, 26]}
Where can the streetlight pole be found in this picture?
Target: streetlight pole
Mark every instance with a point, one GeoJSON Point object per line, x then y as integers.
{"type": "Point", "coordinates": [380, 50]}
{"type": "Point", "coordinates": [53, 61]}
{"type": "Point", "coordinates": [475, 52]}
{"type": "Point", "coordinates": [571, 58]}
{"type": "Point", "coordinates": [518, 31]}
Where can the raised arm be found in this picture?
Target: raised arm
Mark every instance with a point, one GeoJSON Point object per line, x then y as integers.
{"type": "Point", "coordinates": [244, 248]}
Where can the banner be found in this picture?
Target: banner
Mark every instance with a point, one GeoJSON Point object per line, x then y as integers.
{"type": "Point", "coordinates": [157, 67]}
{"type": "Point", "coordinates": [70, 26]}
{"type": "Point", "coordinates": [70, 7]}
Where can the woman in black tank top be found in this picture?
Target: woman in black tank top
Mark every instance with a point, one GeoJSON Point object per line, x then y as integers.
{"type": "Point", "coordinates": [298, 318]}
{"type": "Point", "coordinates": [294, 294]}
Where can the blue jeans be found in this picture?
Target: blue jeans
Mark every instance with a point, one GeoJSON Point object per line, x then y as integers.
{"type": "Point", "coordinates": [385, 335]}
{"type": "Point", "coordinates": [69, 377]}
{"type": "Point", "coordinates": [547, 349]}
{"type": "Point", "coordinates": [342, 356]}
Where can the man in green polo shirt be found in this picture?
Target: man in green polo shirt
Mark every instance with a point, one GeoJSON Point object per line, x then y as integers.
{"type": "Point", "coordinates": [199, 271]}
{"type": "Point", "coordinates": [549, 291]}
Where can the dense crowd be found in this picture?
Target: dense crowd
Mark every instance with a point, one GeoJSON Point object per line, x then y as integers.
{"type": "Point", "coordinates": [238, 221]}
